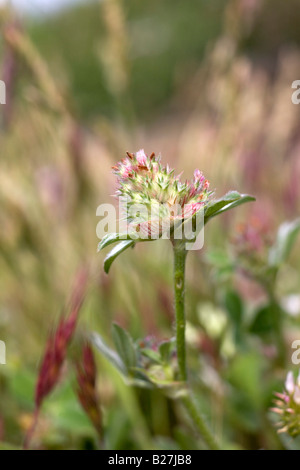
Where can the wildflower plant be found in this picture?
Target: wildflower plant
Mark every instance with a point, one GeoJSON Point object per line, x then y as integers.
{"type": "Point", "coordinates": [160, 205]}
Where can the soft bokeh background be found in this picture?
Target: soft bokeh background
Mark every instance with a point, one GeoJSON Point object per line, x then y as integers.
{"type": "Point", "coordinates": [207, 84]}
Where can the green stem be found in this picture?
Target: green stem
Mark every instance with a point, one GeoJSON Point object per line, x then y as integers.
{"type": "Point", "coordinates": [179, 288]}
{"type": "Point", "coordinates": [192, 409]}
{"type": "Point", "coordinates": [179, 281]}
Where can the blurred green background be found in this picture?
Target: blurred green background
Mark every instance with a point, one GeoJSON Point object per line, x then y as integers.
{"type": "Point", "coordinates": [207, 84]}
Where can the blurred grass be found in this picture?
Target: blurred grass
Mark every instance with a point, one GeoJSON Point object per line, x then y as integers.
{"type": "Point", "coordinates": [162, 50]}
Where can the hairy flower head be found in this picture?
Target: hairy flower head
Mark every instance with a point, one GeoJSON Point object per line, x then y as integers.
{"type": "Point", "coordinates": [144, 181]}
{"type": "Point", "coordinates": [288, 406]}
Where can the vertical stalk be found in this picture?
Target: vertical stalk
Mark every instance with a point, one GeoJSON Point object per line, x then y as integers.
{"type": "Point", "coordinates": [187, 399]}
{"type": "Point", "coordinates": [179, 286]}
{"type": "Point", "coordinates": [188, 402]}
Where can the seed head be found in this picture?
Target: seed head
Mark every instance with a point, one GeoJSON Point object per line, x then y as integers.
{"type": "Point", "coordinates": [86, 391]}
{"type": "Point", "coordinates": [58, 343]}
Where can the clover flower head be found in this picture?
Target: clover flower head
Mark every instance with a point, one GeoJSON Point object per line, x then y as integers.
{"type": "Point", "coordinates": [144, 180]}
{"type": "Point", "coordinates": [288, 406]}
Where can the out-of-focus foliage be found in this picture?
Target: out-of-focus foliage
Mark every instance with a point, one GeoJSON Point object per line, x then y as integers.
{"type": "Point", "coordinates": [209, 85]}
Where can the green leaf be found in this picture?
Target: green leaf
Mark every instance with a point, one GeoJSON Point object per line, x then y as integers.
{"type": "Point", "coordinates": [157, 376]}
{"type": "Point", "coordinates": [113, 238]}
{"type": "Point", "coordinates": [216, 205]}
{"type": "Point", "coordinates": [125, 346]}
{"type": "Point", "coordinates": [115, 252]}
{"type": "Point", "coordinates": [245, 374]}
{"type": "Point", "coordinates": [138, 379]}
{"type": "Point", "coordinates": [234, 307]}
{"type": "Point", "coordinates": [165, 349]}
{"type": "Point", "coordinates": [227, 202]}
{"type": "Point", "coordinates": [286, 237]}
{"type": "Point", "coordinates": [150, 354]}
{"type": "Point", "coordinates": [108, 353]}
{"type": "Point", "coordinates": [263, 323]}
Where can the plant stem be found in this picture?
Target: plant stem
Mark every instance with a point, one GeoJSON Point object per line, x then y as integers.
{"type": "Point", "coordinates": [179, 281]}
{"type": "Point", "coordinates": [192, 409]}
{"type": "Point", "coordinates": [179, 289]}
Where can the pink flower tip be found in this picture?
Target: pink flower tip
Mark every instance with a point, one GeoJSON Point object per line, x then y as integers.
{"type": "Point", "coordinates": [198, 176]}
{"type": "Point", "coordinates": [141, 157]}
{"type": "Point", "coordinates": [290, 383]}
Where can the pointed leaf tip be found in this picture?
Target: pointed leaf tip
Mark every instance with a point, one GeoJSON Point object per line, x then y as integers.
{"type": "Point", "coordinates": [125, 346]}
{"type": "Point", "coordinates": [115, 252]}
{"type": "Point", "coordinates": [228, 201]}
{"type": "Point", "coordinates": [111, 238]}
